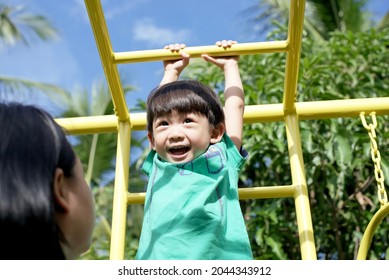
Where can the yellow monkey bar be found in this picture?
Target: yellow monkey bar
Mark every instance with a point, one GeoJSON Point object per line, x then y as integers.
{"type": "Point", "coordinates": [308, 110]}
{"type": "Point", "coordinates": [290, 112]}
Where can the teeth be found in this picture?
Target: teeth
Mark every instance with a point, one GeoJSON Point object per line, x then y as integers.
{"type": "Point", "coordinates": [177, 147]}
{"type": "Point", "coordinates": [178, 150]}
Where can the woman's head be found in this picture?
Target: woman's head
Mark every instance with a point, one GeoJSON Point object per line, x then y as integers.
{"type": "Point", "coordinates": [36, 160]}
{"type": "Point", "coordinates": [184, 97]}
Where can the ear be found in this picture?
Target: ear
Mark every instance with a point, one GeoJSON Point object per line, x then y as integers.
{"type": "Point", "coordinates": [217, 133]}
{"type": "Point", "coordinates": [151, 140]}
{"type": "Point", "coordinates": [61, 191]}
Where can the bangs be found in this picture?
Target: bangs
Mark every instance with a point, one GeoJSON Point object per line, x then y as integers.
{"type": "Point", "coordinates": [184, 97]}
{"type": "Point", "coordinates": [181, 101]}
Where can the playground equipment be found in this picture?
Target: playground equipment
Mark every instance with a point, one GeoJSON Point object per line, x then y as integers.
{"type": "Point", "coordinates": [382, 196]}
{"type": "Point", "coordinates": [289, 111]}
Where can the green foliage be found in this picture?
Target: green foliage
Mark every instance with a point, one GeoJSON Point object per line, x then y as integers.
{"type": "Point", "coordinates": [341, 15]}
{"type": "Point", "coordinates": [340, 174]}
{"type": "Point", "coordinates": [321, 17]}
{"type": "Point", "coordinates": [101, 239]}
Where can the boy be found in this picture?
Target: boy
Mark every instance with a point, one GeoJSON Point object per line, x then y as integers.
{"type": "Point", "coordinates": [192, 209]}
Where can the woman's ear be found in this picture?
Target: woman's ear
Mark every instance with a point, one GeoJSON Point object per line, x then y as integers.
{"type": "Point", "coordinates": [217, 133]}
{"type": "Point", "coordinates": [61, 191]}
{"type": "Point", "coordinates": [151, 140]}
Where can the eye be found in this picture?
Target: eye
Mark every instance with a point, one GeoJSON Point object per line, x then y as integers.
{"type": "Point", "coordinates": [163, 123]}
{"type": "Point", "coordinates": [188, 120]}
{"type": "Point", "coordinates": [159, 123]}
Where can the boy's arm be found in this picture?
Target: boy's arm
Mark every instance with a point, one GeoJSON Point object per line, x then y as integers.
{"type": "Point", "coordinates": [173, 68]}
{"type": "Point", "coordinates": [233, 93]}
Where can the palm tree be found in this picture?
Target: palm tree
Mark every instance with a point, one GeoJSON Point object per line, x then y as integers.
{"type": "Point", "coordinates": [96, 151]}
{"type": "Point", "coordinates": [19, 26]}
{"type": "Point", "coordinates": [16, 25]}
{"type": "Point", "coordinates": [384, 22]}
{"type": "Point", "coordinates": [321, 17]}
{"type": "Point", "coordinates": [344, 15]}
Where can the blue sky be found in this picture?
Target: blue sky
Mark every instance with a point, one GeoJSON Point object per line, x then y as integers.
{"type": "Point", "coordinates": [72, 60]}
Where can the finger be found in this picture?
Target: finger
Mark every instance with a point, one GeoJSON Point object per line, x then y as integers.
{"type": "Point", "coordinates": [184, 54]}
{"type": "Point", "coordinates": [177, 47]}
{"type": "Point", "coordinates": [169, 47]}
{"type": "Point", "coordinates": [185, 58]}
{"type": "Point", "coordinates": [226, 43]}
{"type": "Point", "coordinates": [207, 58]}
{"type": "Point", "coordinates": [174, 47]}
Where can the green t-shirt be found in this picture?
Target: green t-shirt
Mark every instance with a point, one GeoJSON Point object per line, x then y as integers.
{"type": "Point", "coordinates": [192, 210]}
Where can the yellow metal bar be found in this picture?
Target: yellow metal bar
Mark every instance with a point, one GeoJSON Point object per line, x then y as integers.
{"type": "Point", "coordinates": [267, 192]}
{"type": "Point", "coordinates": [119, 211]}
{"type": "Point", "coordinates": [136, 198]}
{"type": "Point", "coordinates": [295, 30]}
{"type": "Point", "coordinates": [313, 110]}
{"type": "Point", "coordinates": [342, 108]}
{"type": "Point", "coordinates": [100, 124]}
{"type": "Point", "coordinates": [103, 42]}
{"type": "Point", "coordinates": [369, 232]}
{"type": "Point", "coordinates": [303, 210]}
{"type": "Point", "coordinates": [89, 125]}
{"type": "Point", "coordinates": [238, 49]}
{"type": "Point", "coordinates": [253, 114]}
{"type": "Point", "coordinates": [246, 193]}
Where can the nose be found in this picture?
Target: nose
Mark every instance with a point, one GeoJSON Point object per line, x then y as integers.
{"type": "Point", "coordinates": [176, 133]}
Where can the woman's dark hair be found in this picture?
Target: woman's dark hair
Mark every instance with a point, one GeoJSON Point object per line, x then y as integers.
{"type": "Point", "coordinates": [32, 146]}
{"type": "Point", "coordinates": [184, 97]}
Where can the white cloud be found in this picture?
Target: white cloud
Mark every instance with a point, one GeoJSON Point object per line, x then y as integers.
{"type": "Point", "coordinates": [78, 10]}
{"type": "Point", "coordinates": [111, 10]}
{"type": "Point", "coordinates": [146, 30]}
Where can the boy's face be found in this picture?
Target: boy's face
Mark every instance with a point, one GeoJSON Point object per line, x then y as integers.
{"type": "Point", "coordinates": [180, 138]}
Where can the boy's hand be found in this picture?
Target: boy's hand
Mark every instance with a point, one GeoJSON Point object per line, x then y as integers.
{"type": "Point", "coordinates": [225, 43]}
{"type": "Point", "coordinates": [179, 64]}
{"type": "Point", "coordinates": [175, 47]}
{"type": "Point", "coordinates": [223, 62]}
{"type": "Point", "coordinates": [173, 68]}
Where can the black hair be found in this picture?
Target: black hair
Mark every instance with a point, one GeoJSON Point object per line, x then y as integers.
{"type": "Point", "coordinates": [184, 96]}
{"type": "Point", "coordinates": [32, 146]}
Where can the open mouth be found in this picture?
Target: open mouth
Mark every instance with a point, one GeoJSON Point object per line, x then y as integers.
{"type": "Point", "coordinates": [179, 150]}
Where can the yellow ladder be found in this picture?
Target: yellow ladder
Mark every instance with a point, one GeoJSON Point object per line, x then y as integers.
{"type": "Point", "coordinates": [289, 111]}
